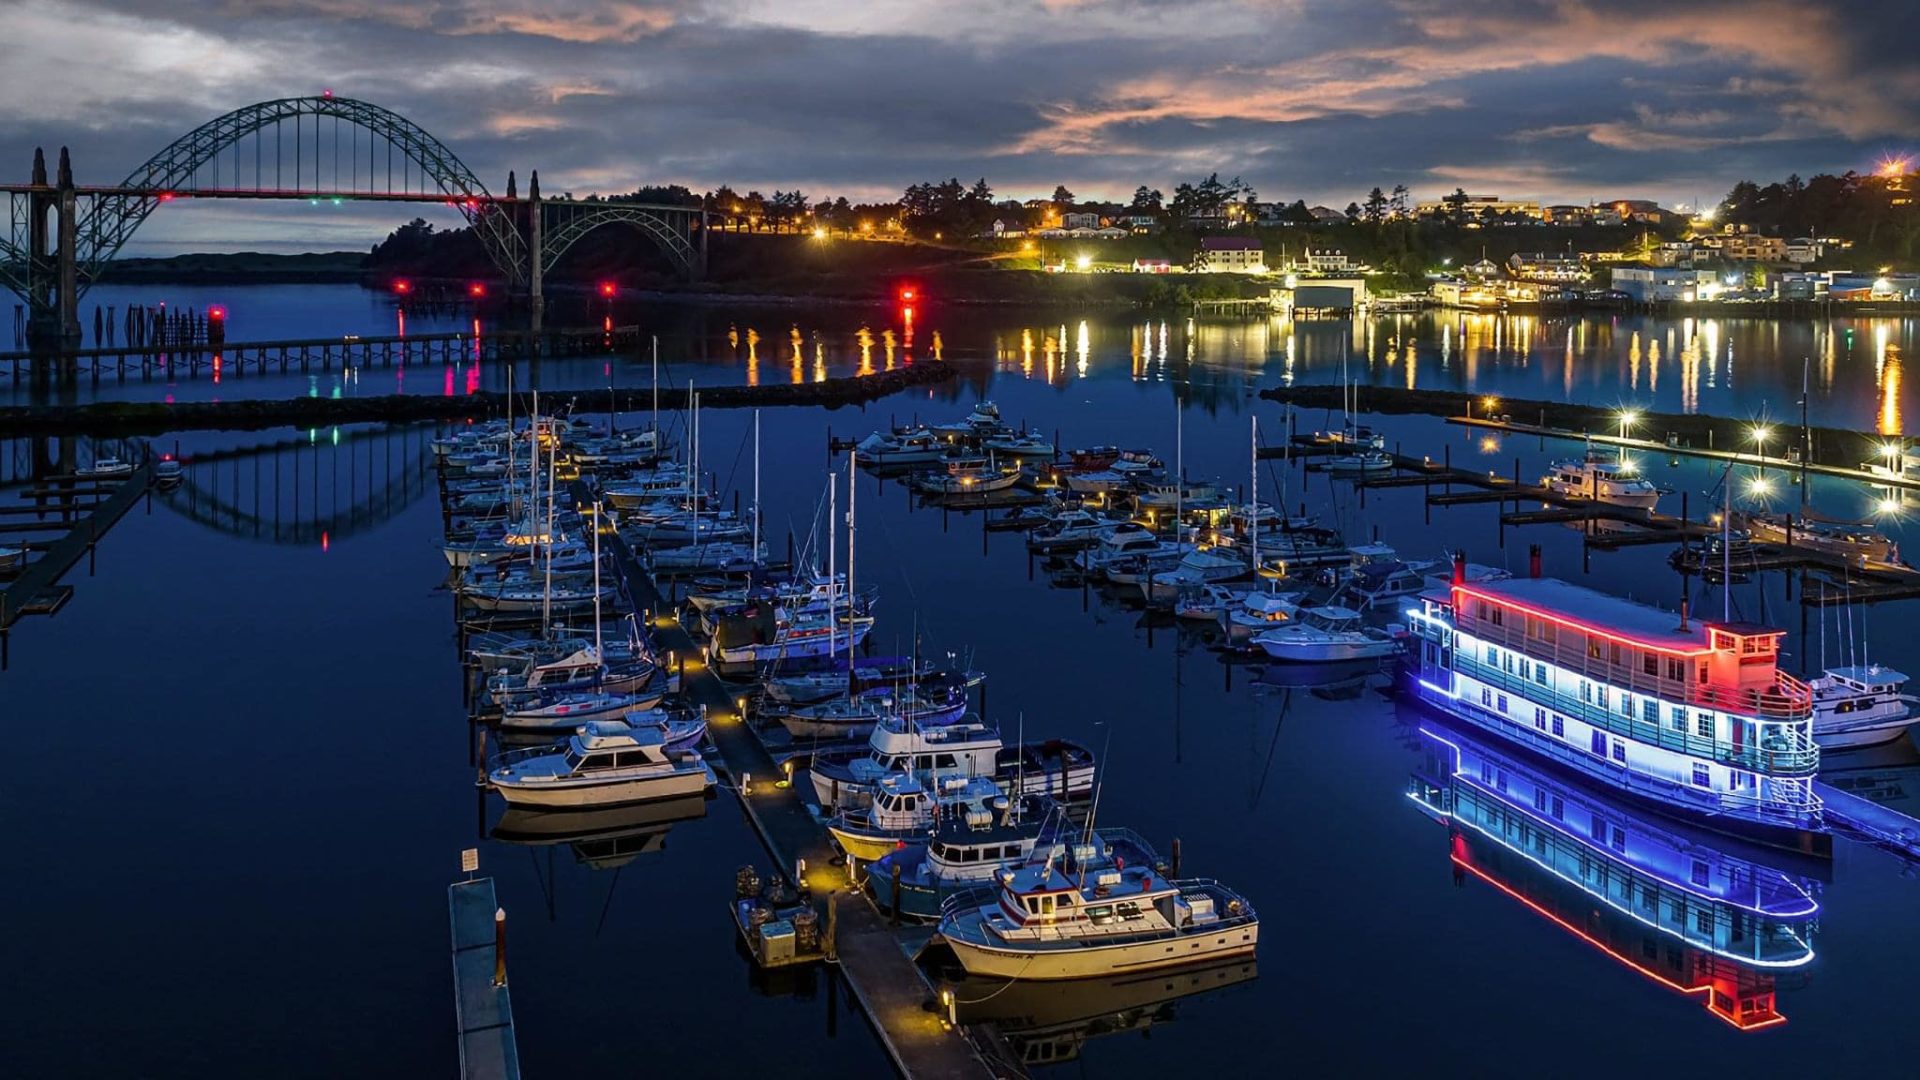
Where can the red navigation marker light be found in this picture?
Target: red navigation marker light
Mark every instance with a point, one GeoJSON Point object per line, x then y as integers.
{"type": "Point", "coordinates": [908, 294]}
{"type": "Point", "coordinates": [403, 286]}
{"type": "Point", "coordinates": [328, 94]}
{"type": "Point", "coordinates": [476, 289]}
{"type": "Point", "coordinates": [606, 288]}
{"type": "Point", "coordinates": [166, 196]}
{"type": "Point", "coordinates": [216, 312]}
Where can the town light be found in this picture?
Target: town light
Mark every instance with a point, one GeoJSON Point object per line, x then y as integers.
{"type": "Point", "coordinates": [606, 288]}
{"type": "Point", "coordinates": [403, 286]}
{"type": "Point", "coordinates": [1890, 450]}
{"type": "Point", "coordinates": [476, 289]}
{"type": "Point", "coordinates": [1082, 261]}
{"type": "Point", "coordinates": [819, 232]}
{"type": "Point", "coordinates": [1628, 418]}
{"type": "Point", "coordinates": [1489, 403]}
{"type": "Point", "coordinates": [909, 294]}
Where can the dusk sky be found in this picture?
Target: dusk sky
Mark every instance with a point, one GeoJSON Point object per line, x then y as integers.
{"type": "Point", "coordinates": [1559, 101]}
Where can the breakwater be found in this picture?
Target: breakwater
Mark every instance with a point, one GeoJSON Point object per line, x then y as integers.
{"type": "Point", "coordinates": [153, 418]}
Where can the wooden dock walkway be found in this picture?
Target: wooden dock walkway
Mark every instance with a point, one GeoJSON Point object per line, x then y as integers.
{"type": "Point", "coordinates": [884, 978]}
{"type": "Point", "coordinates": [483, 1012]}
{"type": "Point", "coordinates": [35, 589]}
{"type": "Point", "coordinates": [1870, 822]}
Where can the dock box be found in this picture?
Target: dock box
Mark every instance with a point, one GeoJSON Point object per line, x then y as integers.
{"type": "Point", "coordinates": [776, 943]}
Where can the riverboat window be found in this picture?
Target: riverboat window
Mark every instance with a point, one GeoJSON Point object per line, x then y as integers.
{"type": "Point", "coordinates": [1598, 827]}
{"type": "Point", "coordinates": [1559, 808]}
{"type": "Point", "coordinates": [1620, 751]}
{"type": "Point", "coordinates": [1705, 725]}
{"type": "Point", "coordinates": [1702, 776]}
{"type": "Point", "coordinates": [1698, 873]}
{"type": "Point", "coordinates": [628, 758]}
{"type": "Point", "coordinates": [1618, 839]}
{"type": "Point", "coordinates": [1502, 704]}
{"type": "Point", "coordinates": [1701, 676]}
{"type": "Point", "coordinates": [923, 761]}
{"type": "Point", "coordinates": [1650, 710]}
{"type": "Point", "coordinates": [1650, 663]}
{"type": "Point", "coordinates": [1486, 696]}
{"type": "Point", "coordinates": [1593, 647]}
{"type": "Point", "coordinates": [1559, 727]}
{"type": "Point", "coordinates": [1703, 920]}
{"type": "Point", "coordinates": [1626, 706]}
{"type": "Point", "coordinates": [1677, 718]}
{"type": "Point", "coordinates": [969, 854]}
{"type": "Point", "coordinates": [598, 761]}
{"type": "Point", "coordinates": [1500, 780]}
{"type": "Point", "coordinates": [1613, 652]}
{"type": "Point", "coordinates": [1540, 799]}
{"type": "Point", "coordinates": [1600, 743]}
{"type": "Point", "coordinates": [1526, 670]}
{"type": "Point", "coordinates": [1493, 656]}
{"type": "Point", "coordinates": [1586, 690]}
{"type": "Point", "coordinates": [1676, 670]}
{"type": "Point", "coordinates": [1603, 696]}
{"type": "Point", "coordinates": [1497, 616]}
{"type": "Point", "coordinates": [945, 761]}
{"type": "Point", "coordinates": [1540, 674]}
{"type": "Point", "coordinates": [1540, 718]}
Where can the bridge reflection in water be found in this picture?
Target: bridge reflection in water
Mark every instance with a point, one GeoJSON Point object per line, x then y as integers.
{"type": "Point", "coordinates": [310, 487]}
{"type": "Point", "coordinates": [1693, 913]}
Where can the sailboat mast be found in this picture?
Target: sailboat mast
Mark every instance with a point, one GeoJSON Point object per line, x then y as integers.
{"type": "Point", "coordinates": [1726, 545]}
{"type": "Point", "coordinates": [598, 654]}
{"type": "Point", "coordinates": [1806, 440]}
{"type": "Point", "coordinates": [833, 563]}
{"type": "Point", "coordinates": [1179, 464]}
{"type": "Point", "coordinates": [755, 551]}
{"type": "Point", "coordinates": [853, 483]}
{"type": "Point", "coordinates": [656, 393]}
{"type": "Point", "coordinates": [513, 470]}
{"type": "Point", "coordinates": [546, 599]}
{"type": "Point", "coordinates": [1253, 506]}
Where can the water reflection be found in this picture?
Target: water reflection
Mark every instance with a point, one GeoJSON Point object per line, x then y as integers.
{"type": "Point", "coordinates": [1694, 918]}
{"type": "Point", "coordinates": [600, 839]}
{"type": "Point", "coordinates": [1047, 1023]}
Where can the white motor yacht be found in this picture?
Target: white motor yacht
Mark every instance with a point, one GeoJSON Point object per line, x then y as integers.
{"type": "Point", "coordinates": [600, 765]}
{"type": "Point", "coordinates": [1602, 478]}
{"type": "Point", "coordinates": [1322, 635]}
{"type": "Point", "coordinates": [1860, 705]}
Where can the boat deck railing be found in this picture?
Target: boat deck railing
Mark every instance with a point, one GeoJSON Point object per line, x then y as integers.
{"type": "Point", "coordinates": [1086, 934]}
{"type": "Point", "coordinates": [1784, 755]}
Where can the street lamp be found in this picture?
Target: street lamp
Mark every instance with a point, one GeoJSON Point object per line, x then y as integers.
{"type": "Point", "coordinates": [1628, 418]}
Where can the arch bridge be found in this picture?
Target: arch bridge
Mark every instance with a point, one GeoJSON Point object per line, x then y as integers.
{"type": "Point", "coordinates": [62, 237]}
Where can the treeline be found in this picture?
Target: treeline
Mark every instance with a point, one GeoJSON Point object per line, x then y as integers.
{"type": "Point", "coordinates": [1875, 212]}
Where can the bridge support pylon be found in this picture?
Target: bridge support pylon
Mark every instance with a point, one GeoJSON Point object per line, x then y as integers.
{"type": "Point", "coordinates": [53, 274]}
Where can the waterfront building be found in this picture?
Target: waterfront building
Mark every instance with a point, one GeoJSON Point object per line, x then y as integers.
{"type": "Point", "coordinates": [1327, 261]}
{"type": "Point", "coordinates": [1482, 208]}
{"type": "Point", "coordinates": [1747, 247]}
{"type": "Point", "coordinates": [1080, 221]}
{"type": "Point", "coordinates": [1547, 266]}
{"type": "Point", "coordinates": [1152, 266]}
{"type": "Point", "coordinates": [1662, 284]}
{"type": "Point", "coordinates": [1231, 254]}
{"type": "Point", "coordinates": [1694, 717]}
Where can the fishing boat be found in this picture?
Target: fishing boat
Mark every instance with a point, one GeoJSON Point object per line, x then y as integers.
{"type": "Point", "coordinates": [1860, 705]}
{"type": "Point", "coordinates": [1258, 612]}
{"type": "Point", "coordinates": [600, 765]}
{"type": "Point", "coordinates": [1207, 603]}
{"type": "Point", "coordinates": [838, 678]}
{"type": "Point", "coordinates": [1201, 566]}
{"type": "Point", "coordinates": [903, 811]}
{"type": "Point", "coordinates": [1068, 921]}
{"type": "Point", "coordinates": [1054, 767]}
{"type": "Point", "coordinates": [969, 476]}
{"type": "Point", "coordinates": [919, 446]}
{"type": "Point", "coordinates": [168, 473]}
{"type": "Point", "coordinates": [1708, 919]}
{"type": "Point", "coordinates": [1327, 634]}
{"type": "Point", "coordinates": [969, 850]}
{"type": "Point", "coordinates": [1171, 494]}
{"type": "Point", "coordinates": [1694, 717]}
{"type": "Point", "coordinates": [983, 420]}
{"type": "Point", "coordinates": [1854, 541]}
{"type": "Point", "coordinates": [1602, 478]}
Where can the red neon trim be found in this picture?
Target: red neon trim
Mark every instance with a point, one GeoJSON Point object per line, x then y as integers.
{"type": "Point", "coordinates": [1577, 625]}
{"type": "Point", "coordinates": [1615, 956]}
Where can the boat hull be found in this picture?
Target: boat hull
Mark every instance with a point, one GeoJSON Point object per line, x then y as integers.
{"type": "Point", "coordinates": [561, 795]}
{"type": "Point", "coordinates": [1097, 961]}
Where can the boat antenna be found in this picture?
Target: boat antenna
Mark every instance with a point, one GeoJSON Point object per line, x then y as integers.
{"type": "Point", "coordinates": [546, 599]}
{"type": "Point", "coordinates": [598, 655]}
{"type": "Point", "coordinates": [853, 482]}
{"type": "Point", "coordinates": [1020, 773]}
{"type": "Point", "coordinates": [1093, 813]}
{"type": "Point", "coordinates": [1806, 440]}
{"type": "Point", "coordinates": [833, 568]}
{"type": "Point", "coordinates": [1726, 545]}
{"type": "Point", "coordinates": [1253, 504]}
{"type": "Point", "coordinates": [754, 552]}
{"type": "Point", "coordinates": [513, 501]}
{"type": "Point", "coordinates": [656, 394]}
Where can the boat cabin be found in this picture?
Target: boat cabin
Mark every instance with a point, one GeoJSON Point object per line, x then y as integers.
{"type": "Point", "coordinates": [602, 745]}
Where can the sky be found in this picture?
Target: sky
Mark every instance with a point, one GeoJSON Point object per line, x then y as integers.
{"type": "Point", "coordinates": [1556, 100]}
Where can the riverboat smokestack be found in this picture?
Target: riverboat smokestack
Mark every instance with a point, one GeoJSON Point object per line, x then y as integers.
{"type": "Point", "coordinates": [1533, 560]}
{"type": "Point", "coordinates": [1459, 566]}
{"type": "Point", "coordinates": [1683, 614]}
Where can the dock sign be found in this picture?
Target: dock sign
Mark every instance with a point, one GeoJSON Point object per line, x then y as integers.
{"type": "Point", "coordinates": [469, 860]}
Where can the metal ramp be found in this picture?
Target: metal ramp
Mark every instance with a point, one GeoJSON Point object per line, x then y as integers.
{"type": "Point", "coordinates": [1869, 822]}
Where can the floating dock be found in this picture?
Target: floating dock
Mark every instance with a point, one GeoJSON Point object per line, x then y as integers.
{"type": "Point", "coordinates": [876, 962]}
{"type": "Point", "coordinates": [483, 1013]}
{"type": "Point", "coordinates": [82, 511]}
{"type": "Point", "coordinates": [1869, 822]}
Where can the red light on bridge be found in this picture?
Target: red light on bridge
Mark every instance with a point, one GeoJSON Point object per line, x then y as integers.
{"type": "Point", "coordinates": [606, 288]}
{"type": "Point", "coordinates": [476, 289]}
{"type": "Point", "coordinates": [166, 196]}
{"type": "Point", "coordinates": [328, 94]}
{"type": "Point", "coordinates": [216, 312]}
{"type": "Point", "coordinates": [403, 286]}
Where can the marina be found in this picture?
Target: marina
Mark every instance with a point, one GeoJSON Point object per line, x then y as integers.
{"type": "Point", "coordinates": [1196, 734]}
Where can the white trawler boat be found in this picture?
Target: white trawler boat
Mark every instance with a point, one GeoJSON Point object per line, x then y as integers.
{"type": "Point", "coordinates": [1860, 705]}
{"type": "Point", "coordinates": [600, 765]}
{"type": "Point", "coordinates": [917, 447]}
{"type": "Point", "coordinates": [969, 476]}
{"type": "Point", "coordinates": [1065, 921]}
{"type": "Point", "coordinates": [968, 748]}
{"type": "Point", "coordinates": [1325, 635]}
{"type": "Point", "coordinates": [903, 811]}
{"type": "Point", "coordinates": [1693, 717]}
{"type": "Point", "coordinates": [1602, 478]}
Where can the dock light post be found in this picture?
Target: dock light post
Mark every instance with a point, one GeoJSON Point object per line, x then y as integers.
{"type": "Point", "coordinates": [499, 946]}
{"type": "Point", "coordinates": [1761, 433]}
{"type": "Point", "coordinates": [1628, 418]}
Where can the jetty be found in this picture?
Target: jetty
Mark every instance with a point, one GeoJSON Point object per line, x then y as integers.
{"type": "Point", "coordinates": [482, 1007]}
{"type": "Point", "coordinates": [1869, 822]}
{"type": "Point", "coordinates": [81, 510]}
{"type": "Point", "coordinates": [873, 957]}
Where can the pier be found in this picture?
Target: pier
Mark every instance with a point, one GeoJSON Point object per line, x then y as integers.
{"type": "Point", "coordinates": [1869, 822]}
{"type": "Point", "coordinates": [873, 957]}
{"type": "Point", "coordinates": [482, 1009]}
{"type": "Point", "coordinates": [82, 511]}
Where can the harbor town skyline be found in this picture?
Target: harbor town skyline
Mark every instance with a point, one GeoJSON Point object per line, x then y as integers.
{"type": "Point", "coordinates": [1562, 102]}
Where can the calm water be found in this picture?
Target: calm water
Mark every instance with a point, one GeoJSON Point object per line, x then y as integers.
{"type": "Point", "coordinates": [239, 863]}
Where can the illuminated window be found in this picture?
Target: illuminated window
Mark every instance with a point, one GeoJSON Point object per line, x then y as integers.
{"type": "Point", "coordinates": [1593, 647]}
